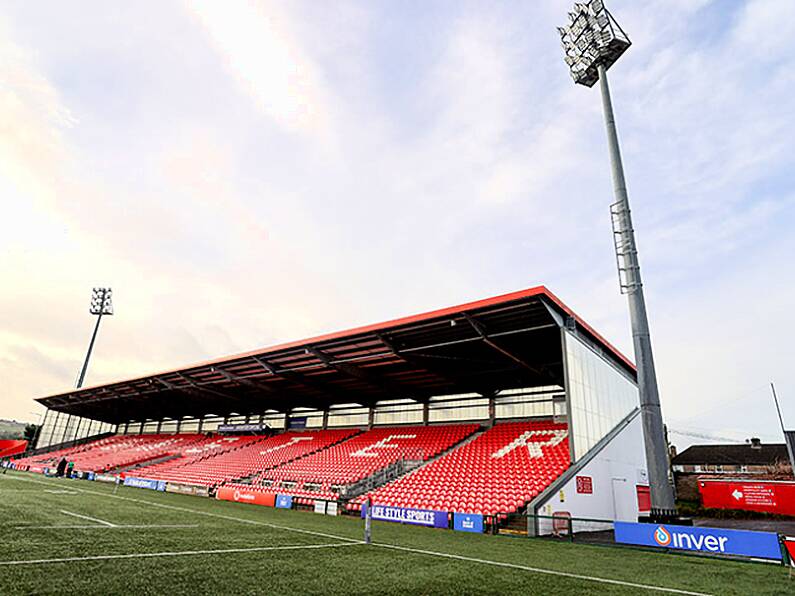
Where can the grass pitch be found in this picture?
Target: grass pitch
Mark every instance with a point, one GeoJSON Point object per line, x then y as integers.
{"type": "Point", "coordinates": [69, 536]}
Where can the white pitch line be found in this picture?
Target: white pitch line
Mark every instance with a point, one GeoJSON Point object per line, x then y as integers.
{"type": "Point", "coordinates": [60, 491]}
{"type": "Point", "coordinates": [429, 553]}
{"type": "Point", "coordinates": [199, 512]}
{"type": "Point", "coordinates": [93, 519]}
{"type": "Point", "coordinates": [591, 578]}
{"type": "Point", "coordinates": [183, 553]}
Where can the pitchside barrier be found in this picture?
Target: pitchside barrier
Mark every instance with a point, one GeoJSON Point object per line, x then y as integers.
{"type": "Point", "coordinates": [745, 544]}
{"type": "Point", "coordinates": [721, 542]}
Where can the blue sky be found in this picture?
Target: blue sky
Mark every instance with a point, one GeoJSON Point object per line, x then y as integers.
{"type": "Point", "coordinates": [247, 173]}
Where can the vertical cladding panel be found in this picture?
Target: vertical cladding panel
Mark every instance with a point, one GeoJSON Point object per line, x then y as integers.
{"type": "Point", "coordinates": [600, 395]}
{"type": "Point", "coordinates": [607, 486]}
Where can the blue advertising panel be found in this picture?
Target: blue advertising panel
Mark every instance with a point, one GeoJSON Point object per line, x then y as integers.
{"type": "Point", "coordinates": [468, 522]}
{"type": "Point", "coordinates": [284, 501]}
{"type": "Point", "coordinates": [297, 423]}
{"type": "Point", "coordinates": [417, 517]}
{"type": "Point", "coordinates": [243, 428]}
{"type": "Point", "coordinates": [145, 483]}
{"type": "Point", "coordinates": [763, 545]}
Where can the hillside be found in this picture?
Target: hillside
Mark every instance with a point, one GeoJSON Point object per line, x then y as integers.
{"type": "Point", "coordinates": [11, 429]}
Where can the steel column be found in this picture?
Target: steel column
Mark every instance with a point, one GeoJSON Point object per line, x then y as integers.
{"type": "Point", "coordinates": [662, 497]}
{"type": "Point", "coordinates": [88, 354]}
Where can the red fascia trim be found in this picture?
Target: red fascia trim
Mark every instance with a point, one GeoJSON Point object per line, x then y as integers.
{"type": "Point", "coordinates": [589, 329]}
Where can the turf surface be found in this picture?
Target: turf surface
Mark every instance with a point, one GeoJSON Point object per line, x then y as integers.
{"type": "Point", "coordinates": [143, 542]}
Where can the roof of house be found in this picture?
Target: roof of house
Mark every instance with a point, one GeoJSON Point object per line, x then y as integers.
{"type": "Point", "coordinates": [736, 454]}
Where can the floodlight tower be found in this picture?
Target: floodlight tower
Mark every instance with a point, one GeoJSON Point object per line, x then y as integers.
{"type": "Point", "coordinates": [593, 41]}
{"type": "Point", "coordinates": [101, 304]}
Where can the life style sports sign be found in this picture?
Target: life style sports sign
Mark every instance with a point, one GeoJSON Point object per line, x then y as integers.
{"type": "Point", "coordinates": [416, 517]}
{"type": "Point", "coordinates": [763, 545]}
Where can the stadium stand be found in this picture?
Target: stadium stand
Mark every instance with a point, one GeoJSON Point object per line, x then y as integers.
{"type": "Point", "coordinates": [498, 472]}
{"type": "Point", "coordinates": [321, 475]}
{"type": "Point", "coordinates": [116, 452]}
{"type": "Point", "coordinates": [196, 457]}
{"type": "Point", "coordinates": [487, 378]}
{"type": "Point", "coordinates": [247, 457]}
{"type": "Point", "coordinates": [371, 451]}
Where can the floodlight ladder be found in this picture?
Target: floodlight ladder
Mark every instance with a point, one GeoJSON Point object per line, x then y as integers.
{"type": "Point", "coordinates": [626, 252]}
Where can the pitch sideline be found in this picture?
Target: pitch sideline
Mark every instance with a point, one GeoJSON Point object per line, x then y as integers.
{"type": "Point", "coordinates": [184, 553]}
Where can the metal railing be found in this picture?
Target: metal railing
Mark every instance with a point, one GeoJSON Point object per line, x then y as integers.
{"type": "Point", "coordinates": [378, 478]}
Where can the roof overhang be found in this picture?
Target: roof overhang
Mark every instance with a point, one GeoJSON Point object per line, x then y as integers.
{"type": "Point", "coordinates": [505, 342]}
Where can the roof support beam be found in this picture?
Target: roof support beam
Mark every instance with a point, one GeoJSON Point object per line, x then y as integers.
{"type": "Point", "coordinates": [229, 376]}
{"type": "Point", "coordinates": [203, 389]}
{"type": "Point", "coordinates": [418, 360]}
{"type": "Point", "coordinates": [244, 381]}
{"type": "Point", "coordinates": [303, 380]}
{"type": "Point", "coordinates": [392, 390]}
{"type": "Point", "coordinates": [481, 331]}
{"type": "Point", "coordinates": [189, 390]}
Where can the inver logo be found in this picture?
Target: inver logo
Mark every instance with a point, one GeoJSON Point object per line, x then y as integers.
{"type": "Point", "coordinates": [662, 536]}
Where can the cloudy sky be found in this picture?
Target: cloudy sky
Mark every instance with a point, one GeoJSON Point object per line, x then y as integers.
{"type": "Point", "coordinates": [243, 173]}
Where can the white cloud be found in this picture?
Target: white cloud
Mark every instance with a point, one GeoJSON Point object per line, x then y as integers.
{"type": "Point", "coordinates": [252, 38]}
{"type": "Point", "coordinates": [398, 167]}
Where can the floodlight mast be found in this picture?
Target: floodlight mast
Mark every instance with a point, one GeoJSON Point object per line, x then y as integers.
{"type": "Point", "coordinates": [593, 41]}
{"type": "Point", "coordinates": [101, 304]}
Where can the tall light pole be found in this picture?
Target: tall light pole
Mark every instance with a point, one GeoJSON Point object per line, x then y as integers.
{"type": "Point", "coordinates": [593, 41]}
{"type": "Point", "coordinates": [101, 304]}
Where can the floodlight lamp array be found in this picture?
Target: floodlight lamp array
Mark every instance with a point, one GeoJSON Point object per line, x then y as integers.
{"type": "Point", "coordinates": [101, 301]}
{"type": "Point", "coordinates": [591, 38]}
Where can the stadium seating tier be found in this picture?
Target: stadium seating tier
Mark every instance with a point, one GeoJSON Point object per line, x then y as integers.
{"type": "Point", "coordinates": [497, 472]}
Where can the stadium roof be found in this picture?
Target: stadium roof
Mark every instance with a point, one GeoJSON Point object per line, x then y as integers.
{"type": "Point", "coordinates": [508, 341]}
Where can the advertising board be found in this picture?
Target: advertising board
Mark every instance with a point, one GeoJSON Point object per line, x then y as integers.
{"type": "Point", "coordinates": [297, 423]}
{"type": "Point", "coordinates": [417, 517]}
{"type": "Point", "coordinates": [764, 496]}
{"type": "Point", "coordinates": [763, 545]}
{"type": "Point", "coordinates": [239, 495]}
{"type": "Point", "coordinates": [144, 483]}
{"type": "Point", "coordinates": [468, 522]}
{"type": "Point", "coordinates": [284, 501]}
{"type": "Point", "coordinates": [187, 489]}
{"type": "Point", "coordinates": [243, 428]}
